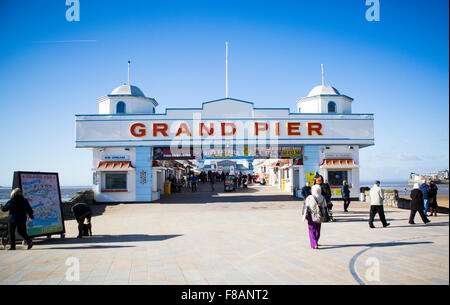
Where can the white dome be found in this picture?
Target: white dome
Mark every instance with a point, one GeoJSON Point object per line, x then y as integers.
{"type": "Point", "coordinates": [127, 90]}
{"type": "Point", "coordinates": [323, 90]}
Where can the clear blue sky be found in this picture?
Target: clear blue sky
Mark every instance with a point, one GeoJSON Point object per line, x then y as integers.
{"type": "Point", "coordinates": [52, 69]}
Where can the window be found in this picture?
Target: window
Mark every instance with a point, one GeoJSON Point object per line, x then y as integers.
{"type": "Point", "coordinates": [332, 107]}
{"type": "Point", "coordinates": [120, 107]}
{"type": "Point", "coordinates": [115, 181]}
{"type": "Point", "coordinates": [336, 178]}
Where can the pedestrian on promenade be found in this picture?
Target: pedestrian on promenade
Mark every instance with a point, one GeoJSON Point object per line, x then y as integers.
{"type": "Point", "coordinates": [212, 180]}
{"type": "Point", "coordinates": [18, 207]}
{"type": "Point", "coordinates": [326, 192]}
{"type": "Point", "coordinates": [376, 205]}
{"type": "Point", "coordinates": [345, 191]}
{"type": "Point", "coordinates": [425, 192]}
{"type": "Point", "coordinates": [306, 190]}
{"type": "Point", "coordinates": [194, 179]}
{"type": "Point", "coordinates": [313, 211]}
{"type": "Point", "coordinates": [417, 205]}
{"type": "Point", "coordinates": [432, 198]}
{"type": "Point", "coordinates": [82, 211]}
{"type": "Point", "coordinates": [318, 179]}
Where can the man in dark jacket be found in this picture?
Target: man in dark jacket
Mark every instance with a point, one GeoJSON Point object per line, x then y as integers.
{"type": "Point", "coordinates": [18, 208]}
{"type": "Point", "coordinates": [417, 205]}
{"type": "Point", "coordinates": [306, 190]}
{"type": "Point", "coordinates": [82, 211]}
{"type": "Point", "coordinates": [432, 198]}
{"type": "Point", "coordinates": [345, 195]}
{"type": "Point", "coordinates": [326, 191]}
{"type": "Point", "coordinates": [425, 192]}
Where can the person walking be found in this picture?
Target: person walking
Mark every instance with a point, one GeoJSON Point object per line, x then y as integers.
{"type": "Point", "coordinates": [306, 190]}
{"type": "Point", "coordinates": [432, 198]}
{"type": "Point", "coordinates": [327, 194]}
{"type": "Point", "coordinates": [212, 180]}
{"type": "Point", "coordinates": [376, 205]}
{"type": "Point", "coordinates": [313, 211]}
{"type": "Point", "coordinates": [417, 205]}
{"type": "Point", "coordinates": [425, 192]}
{"type": "Point", "coordinates": [345, 191]}
{"type": "Point", "coordinates": [18, 207]}
{"type": "Point", "coordinates": [82, 211]}
{"type": "Point", "coordinates": [326, 191]}
{"type": "Point", "coordinates": [194, 180]}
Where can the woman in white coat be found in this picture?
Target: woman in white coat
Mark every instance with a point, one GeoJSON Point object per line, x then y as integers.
{"type": "Point", "coordinates": [313, 209]}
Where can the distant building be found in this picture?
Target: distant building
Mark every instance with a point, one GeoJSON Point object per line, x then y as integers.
{"type": "Point", "coordinates": [440, 177]}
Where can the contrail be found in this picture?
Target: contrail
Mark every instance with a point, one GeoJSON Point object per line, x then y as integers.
{"type": "Point", "coordinates": [66, 41]}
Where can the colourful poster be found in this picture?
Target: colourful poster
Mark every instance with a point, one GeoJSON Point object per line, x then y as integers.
{"type": "Point", "coordinates": [310, 178]}
{"type": "Point", "coordinates": [42, 191]}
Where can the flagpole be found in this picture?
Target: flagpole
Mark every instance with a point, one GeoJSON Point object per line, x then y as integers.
{"type": "Point", "coordinates": [129, 62]}
{"type": "Point", "coordinates": [226, 70]}
{"type": "Point", "coordinates": [323, 82]}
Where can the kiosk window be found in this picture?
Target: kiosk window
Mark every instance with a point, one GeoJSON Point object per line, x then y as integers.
{"type": "Point", "coordinates": [337, 177]}
{"type": "Point", "coordinates": [115, 181]}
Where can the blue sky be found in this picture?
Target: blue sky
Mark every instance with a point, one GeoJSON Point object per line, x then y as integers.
{"type": "Point", "coordinates": [52, 69]}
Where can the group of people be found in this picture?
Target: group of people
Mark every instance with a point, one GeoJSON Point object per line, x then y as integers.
{"type": "Point", "coordinates": [325, 192]}
{"type": "Point", "coordinates": [423, 200]}
{"type": "Point", "coordinates": [211, 177]}
{"type": "Point", "coordinates": [20, 210]}
{"type": "Point", "coordinates": [317, 204]}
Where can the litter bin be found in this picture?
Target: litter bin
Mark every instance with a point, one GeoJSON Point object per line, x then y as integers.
{"type": "Point", "coordinates": [362, 197]}
{"type": "Point", "coordinates": [167, 188]}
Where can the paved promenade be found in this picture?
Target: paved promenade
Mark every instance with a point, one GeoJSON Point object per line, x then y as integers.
{"type": "Point", "coordinates": [253, 236]}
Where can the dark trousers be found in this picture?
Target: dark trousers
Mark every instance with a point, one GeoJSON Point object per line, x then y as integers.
{"type": "Point", "coordinates": [374, 209]}
{"type": "Point", "coordinates": [422, 215]}
{"type": "Point", "coordinates": [81, 219]}
{"type": "Point", "coordinates": [346, 203]}
{"type": "Point", "coordinates": [21, 228]}
{"type": "Point", "coordinates": [194, 186]}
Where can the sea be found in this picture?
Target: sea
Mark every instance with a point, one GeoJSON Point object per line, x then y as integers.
{"type": "Point", "coordinates": [67, 192]}
{"type": "Point", "coordinates": [402, 187]}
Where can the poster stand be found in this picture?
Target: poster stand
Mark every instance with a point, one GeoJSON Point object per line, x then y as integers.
{"type": "Point", "coordinates": [43, 192]}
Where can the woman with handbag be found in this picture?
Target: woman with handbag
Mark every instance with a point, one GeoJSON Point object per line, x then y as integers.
{"type": "Point", "coordinates": [313, 211]}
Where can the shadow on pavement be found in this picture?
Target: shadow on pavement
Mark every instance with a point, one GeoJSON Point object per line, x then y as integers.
{"type": "Point", "coordinates": [217, 199]}
{"type": "Point", "coordinates": [106, 239]}
{"type": "Point", "coordinates": [85, 247]}
{"type": "Point", "coordinates": [372, 245]}
{"type": "Point", "coordinates": [204, 195]}
{"type": "Point", "coordinates": [421, 224]}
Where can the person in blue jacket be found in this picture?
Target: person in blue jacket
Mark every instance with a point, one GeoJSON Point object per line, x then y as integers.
{"type": "Point", "coordinates": [345, 195]}
{"type": "Point", "coordinates": [306, 190]}
{"type": "Point", "coordinates": [426, 193]}
{"type": "Point", "coordinates": [18, 208]}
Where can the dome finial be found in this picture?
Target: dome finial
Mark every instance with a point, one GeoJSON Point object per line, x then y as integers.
{"type": "Point", "coordinates": [129, 62]}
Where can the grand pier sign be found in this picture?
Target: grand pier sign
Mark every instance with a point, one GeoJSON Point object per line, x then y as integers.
{"type": "Point", "coordinates": [226, 121]}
